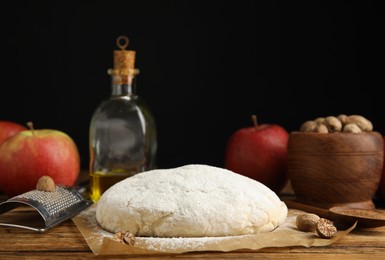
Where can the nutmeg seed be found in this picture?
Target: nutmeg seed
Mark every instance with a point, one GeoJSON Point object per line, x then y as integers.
{"type": "Point", "coordinates": [307, 222]}
{"type": "Point", "coordinates": [325, 228]}
{"type": "Point", "coordinates": [46, 183]}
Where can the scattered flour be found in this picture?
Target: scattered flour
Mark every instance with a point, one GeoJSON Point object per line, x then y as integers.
{"type": "Point", "coordinates": [96, 234]}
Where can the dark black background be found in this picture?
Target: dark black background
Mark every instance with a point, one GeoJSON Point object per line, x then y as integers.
{"type": "Point", "coordinates": [206, 66]}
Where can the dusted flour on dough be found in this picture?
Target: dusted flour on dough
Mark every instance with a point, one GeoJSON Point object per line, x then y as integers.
{"type": "Point", "coordinates": [190, 201]}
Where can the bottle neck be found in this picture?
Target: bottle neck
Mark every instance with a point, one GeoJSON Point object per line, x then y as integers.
{"type": "Point", "coordinates": [122, 85]}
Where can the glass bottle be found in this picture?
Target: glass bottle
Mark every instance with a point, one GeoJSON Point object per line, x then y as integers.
{"type": "Point", "coordinates": [122, 135]}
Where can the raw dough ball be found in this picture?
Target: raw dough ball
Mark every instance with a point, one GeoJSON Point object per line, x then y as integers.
{"type": "Point", "coordinates": [190, 201]}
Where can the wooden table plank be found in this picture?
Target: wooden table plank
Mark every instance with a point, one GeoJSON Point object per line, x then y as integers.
{"type": "Point", "coordinates": [65, 241]}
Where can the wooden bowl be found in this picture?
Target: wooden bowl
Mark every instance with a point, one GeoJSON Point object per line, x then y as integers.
{"type": "Point", "coordinates": [335, 169]}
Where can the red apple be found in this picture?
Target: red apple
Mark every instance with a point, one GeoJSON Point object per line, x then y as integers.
{"type": "Point", "coordinates": [259, 152]}
{"type": "Point", "coordinates": [30, 154]}
{"type": "Point", "coordinates": [9, 128]}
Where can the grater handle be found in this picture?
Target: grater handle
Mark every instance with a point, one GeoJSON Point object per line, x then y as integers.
{"type": "Point", "coordinates": [82, 188]}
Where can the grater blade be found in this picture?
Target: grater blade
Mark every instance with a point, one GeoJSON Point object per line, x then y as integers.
{"type": "Point", "coordinates": [50, 208]}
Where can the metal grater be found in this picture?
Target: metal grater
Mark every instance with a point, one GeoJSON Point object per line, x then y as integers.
{"type": "Point", "coordinates": [51, 208]}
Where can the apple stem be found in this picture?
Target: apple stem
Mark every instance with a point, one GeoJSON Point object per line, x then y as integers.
{"type": "Point", "coordinates": [254, 118]}
{"type": "Point", "coordinates": [30, 125]}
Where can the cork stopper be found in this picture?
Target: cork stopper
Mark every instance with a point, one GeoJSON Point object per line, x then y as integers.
{"type": "Point", "coordinates": [124, 62]}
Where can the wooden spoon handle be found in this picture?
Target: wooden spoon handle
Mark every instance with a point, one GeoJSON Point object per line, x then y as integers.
{"type": "Point", "coordinates": [325, 213]}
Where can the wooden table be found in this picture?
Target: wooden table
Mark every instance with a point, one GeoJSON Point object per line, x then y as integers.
{"type": "Point", "coordinates": [67, 242]}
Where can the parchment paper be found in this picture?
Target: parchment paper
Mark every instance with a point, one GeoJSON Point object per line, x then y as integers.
{"type": "Point", "coordinates": [101, 242]}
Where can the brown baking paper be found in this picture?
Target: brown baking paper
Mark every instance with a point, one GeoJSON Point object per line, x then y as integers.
{"type": "Point", "coordinates": [101, 242]}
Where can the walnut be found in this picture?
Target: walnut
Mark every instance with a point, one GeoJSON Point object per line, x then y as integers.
{"type": "Point", "coordinates": [343, 118]}
{"type": "Point", "coordinates": [333, 124]}
{"type": "Point", "coordinates": [363, 123]}
{"type": "Point", "coordinates": [308, 126]}
{"type": "Point", "coordinates": [319, 120]}
{"type": "Point", "coordinates": [321, 128]}
{"type": "Point", "coordinates": [352, 128]}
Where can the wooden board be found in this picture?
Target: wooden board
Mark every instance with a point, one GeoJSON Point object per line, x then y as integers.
{"type": "Point", "coordinates": [65, 241]}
